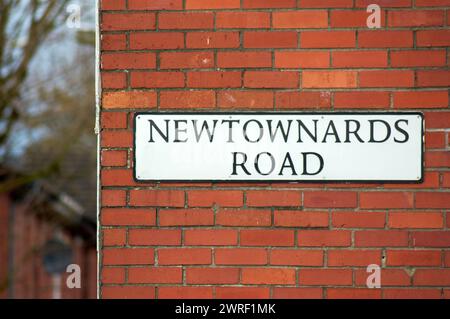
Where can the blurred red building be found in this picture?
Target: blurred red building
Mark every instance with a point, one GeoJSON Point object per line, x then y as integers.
{"type": "Point", "coordinates": [31, 216]}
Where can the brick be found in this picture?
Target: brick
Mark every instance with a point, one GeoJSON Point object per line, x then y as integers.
{"type": "Point", "coordinates": [437, 159]}
{"type": "Point", "coordinates": [114, 158]}
{"type": "Point", "coordinates": [411, 293]}
{"type": "Point", "coordinates": [326, 4]}
{"type": "Point", "coordinates": [186, 217]}
{"type": "Point", "coordinates": [417, 58]}
{"type": "Point", "coordinates": [155, 4]}
{"type": "Point", "coordinates": [114, 120]}
{"type": "Point", "coordinates": [317, 238]}
{"type": "Point", "coordinates": [273, 198]}
{"type": "Point", "coordinates": [417, 99]}
{"type": "Point", "coordinates": [170, 292]}
{"type": "Point", "coordinates": [270, 39]}
{"type": "Point", "coordinates": [157, 79]}
{"type": "Point", "coordinates": [156, 40]}
{"type": "Point", "coordinates": [113, 275]}
{"type": "Point", "coordinates": [358, 219]}
{"type": "Point", "coordinates": [186, 60]}
{"type": "Point", "coordinates": [111, 197]}
{"type": "Point", "coordinates": [385, 39]}
{"type": "Point", "coordinates": [412, 258]}
{"type": "Point", "coordinates": [210, 237]}
{"type": "Point", "coordinates": [214, 79]}
{"type": "Point", "coordinates": [357, 100]}
{"type": "Point", "coordinates": [184, 256]}
{"type": "Point", "coordinates": [432, 200]}
{"type": "Point", "coordinates": [353, 293]}
{"type": "Point", "coordinates": [243, 217]}
{"type": "Point", "coordinates": [128, 217]}
{"type": "Point", "coordinates": [218, 40]}
{"type": "Point", "coordinates": [271, 79]}
{"type": "Point", "coordinates": [247, 59]}
{"type": "Point", "coordinates": [353, 18]}
{"type": "Point", "coordinates": [435, 140]}
{"type": "Point", "coordinates": [187, 99]}
{"type": "Point", "coordinates": [415, 220]}
{"type": "Point", "coordinates": [432, 277]}
{"type": "Point", "coordinates": [114, 237]}
{"type": "Point", "coordinates": [113, 80]}
{"type": "Point", "coordinates": [128, 256]}
{"type": "Point", "coordinates": [300, 100]}
{"type": "Point", "coordinates": [128, 61]}
{"type": "Point", "coordinates": [433, 38]}
{"type": "Point", "coordinates": [154, 237]}
{"type": "Point", "coordinates": [374, 200]}
{"type": "Point", "coordinates": [242, 292]}
{"type": "Point", "coordinates": [118, 138]}
{"type": "Point", "coordinates": [116, 177]}
{"type": "Point", "coordinates": [297, 293]}
{"type": "Point", "coordinates": [296, 257]}
{"type": "Point", "coordinates": [129, 99]}
{"type": "Point", "coordinates": [300, 19]}
{"type": "Point", "coordinates": [112, 42]}
{"type": "Point", "coordinates": [128, 292]}
{"type": "Point", "coordinates": [359, 59]}
{"type": "Point", "coordinates": [329, 79]}
{"type": "Point", "coordinates": [273, 237]}
{"type": "Point", "coordinates": [415, 18]}
{"type": "Point", "coordinates": [327, 39]}
{"type": "Point", "coordinates": [330, 199]}
{"type": "Point", "coordinates": [290, 218]}
{"type": "Point", "coordinates": [384, 3]}
{"type": "Point", "coordinates": [185, 20]}
{"type": "Point", "coordinates": [155, 275]}
{"type": "Point", "coordinates": [325, 277]}
{"type": "Point", "coordinates": [433, 78]}
{"type": "Point", "coordinates": [240, 256]}
{"type": "Point", "coordinates": [113, 5]}
{"type": "Point", "coordinates": [245, 99]}
{"type": "Point", "coordinates": [262, 4]}
{"type": "Point", "coordinates": [437, 119]}
{"type": "Point", "coordinates": [381, 238]}
{"type": "Point", "coordinates": [431, 239]}
{"type": "Point", "coordinates": [128, 21]}
{"type": "Point", "coordinates": [432, 3]}
{"type": "Point", "coordinates": [212, 275]}
{"type": "Point", "coordinates": [302, 59]}
{"type": "Point", "coordinates": [207, 4]}
{"type": "Point", "coordinates": [446, 181]}
{"type": "Point", "coordinates": [391, 78]}
{"type": "Point", "coordinates": [353, 257]}
{"type": "Point", "coordinates": [171, 198]}
{"type": "Point", "coordinates": [209, 198]}
{"type": "Point", "coordinates": [268, 276]}
{"type": "Point", "coordinates": [242, 20]}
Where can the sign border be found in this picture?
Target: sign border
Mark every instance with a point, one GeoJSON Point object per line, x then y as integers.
{"type": "Point", "coordinates": [356, 181]}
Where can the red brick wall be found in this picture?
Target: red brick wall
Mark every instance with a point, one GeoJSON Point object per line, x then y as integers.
{"type": "Point", "coordinates": [163, 240]}
{"type": "Point", "coordinates": [29, 278]}
{"type": "Point", "coordinates": [4, 224]}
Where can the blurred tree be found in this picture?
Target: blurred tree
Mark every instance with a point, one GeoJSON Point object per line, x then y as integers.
{"type": "Point", "coordinates": [66, 120]}
{"type": "Point", "coordinates": [47, 113]}
{"type": "Point", "coordinates": [23, 28]}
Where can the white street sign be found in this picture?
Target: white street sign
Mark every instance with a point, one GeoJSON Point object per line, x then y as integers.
{"type": "Point", "coordinates": [278, 146]}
